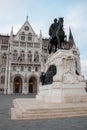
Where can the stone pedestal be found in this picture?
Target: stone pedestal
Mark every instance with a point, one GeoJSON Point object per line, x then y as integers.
{"type": "Point", "coordinates": [67, 86]}
{"type": "Point", "coordinates": [65, 97]}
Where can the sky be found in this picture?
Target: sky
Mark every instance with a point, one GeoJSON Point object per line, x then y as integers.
{"type": "Point", "coordinates": [41, 14]}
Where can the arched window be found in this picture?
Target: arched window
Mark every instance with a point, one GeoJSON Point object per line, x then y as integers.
{"type": "Point", "coordinates": [4, 58]}
{"type": "Point", "coordinates": [29, 68]}
{"type": "Point", "coordinates": [36, 69]}
{"type": "Point", "coordinates": [3, 70]}
{"type": "Point", "coordinates": [15, 55]}
{"type": "Point", "coordinates": [29, 37]}
{"type": "Point", "coordinates": [22, 68]}
{"type": "Point", "coordinates": [14, 68]}
{"type": "Point", "coordinates": [36, 57]}
{"type": "Point", "coordinates": [2, 79]}
{"type": "Point", "coordinates": [29, 56]}
{"type": "Point", "coordinates": [22, 36]}
{"type": "Point", "coordinates": [22, 56]}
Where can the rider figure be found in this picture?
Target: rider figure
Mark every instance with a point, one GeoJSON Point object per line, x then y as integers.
{"type": "Point", "coordinates": [53, 28]}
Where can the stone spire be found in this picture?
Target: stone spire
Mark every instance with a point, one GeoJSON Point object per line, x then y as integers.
{"type": "Point", "coordinates": [70, 34]}
{"type": "Point", "coordinates": [71, 39]}
{"type": "Point", "coordinates": [27, 18]}
{"type": "Point", "coordinates": [40, 35]}
{"type": "Point", "coordinates": [11, 34]}
{"type": "Point", "coordinates": [11, 31]}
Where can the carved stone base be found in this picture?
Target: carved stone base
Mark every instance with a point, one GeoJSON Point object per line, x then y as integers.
{"type": "Point", "coordinates": [67, 86]}
{"type": "Point", "coordinates": [62, 93]}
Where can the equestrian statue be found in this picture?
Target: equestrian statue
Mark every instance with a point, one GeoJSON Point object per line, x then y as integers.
{"type": "Point", "coordinates": [57, 35]}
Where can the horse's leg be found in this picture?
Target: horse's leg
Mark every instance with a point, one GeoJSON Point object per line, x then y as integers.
{"type": "Point", "coordinates": [58, 42]}
{"type": "Point", "coordinates": [54, 44]}
{"type": "Point", "coordinates": [56, 47]}
{"type": "Point", "coordinates": [50, 45]}
{"type": "Point", "coordinates": [50, 48]}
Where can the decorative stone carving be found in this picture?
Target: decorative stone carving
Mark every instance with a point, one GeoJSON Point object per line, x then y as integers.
{"type": "Point", "coordinates": [67, 85]}
{"type": "Point", "coordinates": [70, 78]}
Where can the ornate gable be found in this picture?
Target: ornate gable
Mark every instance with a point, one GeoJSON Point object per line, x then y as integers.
{"type": "Point", "coordinates": [26, 30]}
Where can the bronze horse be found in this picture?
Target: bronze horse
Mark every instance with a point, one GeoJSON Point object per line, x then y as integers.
{"type": "Point", "coordinates": [56, 41]}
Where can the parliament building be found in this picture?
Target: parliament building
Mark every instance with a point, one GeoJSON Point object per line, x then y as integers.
{"type": "Point", "coordinates": [22, 59]}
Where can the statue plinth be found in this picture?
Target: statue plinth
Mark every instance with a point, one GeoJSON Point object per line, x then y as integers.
{"type": "Point", "coordinates": [67, 86]}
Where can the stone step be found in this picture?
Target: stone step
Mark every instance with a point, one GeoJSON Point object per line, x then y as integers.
{"type": "Point", "coordinates": [55, 110]}
{"type": "Point", "coordinates": [17, 117]}
{"type": "Point", "coordinates": [49, 113]}
{"type": "Point", "coordinates": [49, 117]}
{"type": "Point", "coordinates": [18, 106]}
{"type": "Point", "coordinates": [22, 109]}
{"type": "Point", "coordinates": [46, 115]}
{"type": "Point", "coordinates": [33, 109]}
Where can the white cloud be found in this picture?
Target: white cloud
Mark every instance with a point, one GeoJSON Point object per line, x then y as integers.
{"type": "Point", "coordinates": [75, 14]}
{"type": "Point", "coordinates": [5, 6]}
{"type": "Point", "coordinates": [77, 20]}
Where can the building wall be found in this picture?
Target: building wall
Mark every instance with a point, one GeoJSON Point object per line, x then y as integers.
{"type": "Point", "coordinates": [3, 60]}
{"type": "Point", "coordinates": [25, 58]}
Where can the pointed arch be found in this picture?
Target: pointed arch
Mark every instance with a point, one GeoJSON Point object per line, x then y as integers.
{"type": "Point", "coordinates": [17, 84]}
{"type": "Point", "coordinates": [32, 84]}
{"type": "Point", "coordinates": [22, 36]}
{"type": "Point", "coordinates": [15, 55]}
{"type": "Point", "coordinates": [29, 36]}
{"type": "Point", "coordinates": [36, 56]}
{"type": "Point", "coordinates": [22, 55]}
{"type": "Point", "coordinates": [29, 56]}
{"type": "Point", "coordinates": [4, 58]}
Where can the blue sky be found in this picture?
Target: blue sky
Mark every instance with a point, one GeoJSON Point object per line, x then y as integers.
{"type": "Point", "coordinates": [41, 14]}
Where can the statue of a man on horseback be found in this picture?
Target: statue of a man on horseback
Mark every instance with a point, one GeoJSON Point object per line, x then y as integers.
{"type": "Point", "coordinates": [57, 35]}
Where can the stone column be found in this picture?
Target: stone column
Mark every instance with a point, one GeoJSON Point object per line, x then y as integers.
{"type": "Point", "coordinates": [9, 71]}
{"type": "Point", "coordinates": [6, 77]}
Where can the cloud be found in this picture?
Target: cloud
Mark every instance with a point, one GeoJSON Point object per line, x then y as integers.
{"type": "Point", "coordinates": [76, 18]}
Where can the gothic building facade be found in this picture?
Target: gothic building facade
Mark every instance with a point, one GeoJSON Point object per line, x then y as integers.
{"type": "Point", "coordinates": [22, 58]}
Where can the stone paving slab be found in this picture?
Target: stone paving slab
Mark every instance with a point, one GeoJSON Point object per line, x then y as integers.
{"type": "Point", "coordinates": [36, 104]}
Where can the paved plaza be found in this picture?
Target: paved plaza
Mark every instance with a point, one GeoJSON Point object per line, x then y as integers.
{"type": "Point", "coordinates": [6, 103]}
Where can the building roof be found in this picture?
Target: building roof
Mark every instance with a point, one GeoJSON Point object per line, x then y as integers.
{"type": "Point", "coordinates": [45, 42]}
{"type": "Point", "coordinates": [4, 39]}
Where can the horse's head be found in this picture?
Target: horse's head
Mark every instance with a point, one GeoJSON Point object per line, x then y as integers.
{"type": "Point", "coordinates": [61, 22]}
{"type": "Point", "coordinates": [61, 19]}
